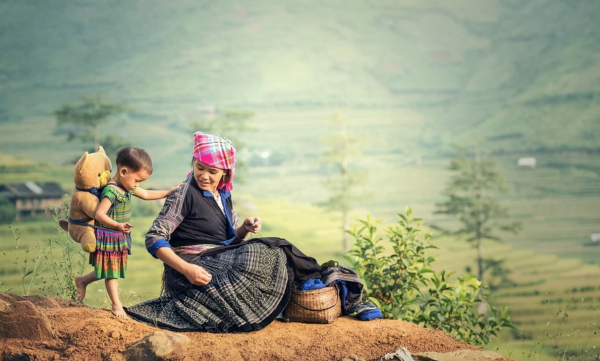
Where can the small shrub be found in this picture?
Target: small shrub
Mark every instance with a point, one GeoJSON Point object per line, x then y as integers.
{"type": "Point", "coordinates": [404, 286]}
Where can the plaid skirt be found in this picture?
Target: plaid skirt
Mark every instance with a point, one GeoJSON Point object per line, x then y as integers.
{"type": "Point", "coordinates": [248, 290]}
{"type": "Point", "coordinates": [110, 258]}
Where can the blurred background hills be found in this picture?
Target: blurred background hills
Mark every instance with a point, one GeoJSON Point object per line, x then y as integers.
{"type": "Point", "coordinates": [517, 75]}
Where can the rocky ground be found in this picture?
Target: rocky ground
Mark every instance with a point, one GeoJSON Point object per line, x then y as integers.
{"type": "Point", "coordinates": [47, 328]}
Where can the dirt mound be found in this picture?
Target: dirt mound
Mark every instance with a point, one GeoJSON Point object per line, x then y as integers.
{"type": "Point", "coordinates": [83, 333]}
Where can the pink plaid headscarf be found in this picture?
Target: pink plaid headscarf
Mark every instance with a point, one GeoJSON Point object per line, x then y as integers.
{"type": "Point", "coordinates": [216, 152]}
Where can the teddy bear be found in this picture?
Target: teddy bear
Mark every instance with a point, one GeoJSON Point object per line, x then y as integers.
{"type": "Point", "coordinates": [92, 172]}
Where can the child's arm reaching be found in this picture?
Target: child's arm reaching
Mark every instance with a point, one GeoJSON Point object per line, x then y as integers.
{"type": "Point", "coordinates": [150, 195]}
{"type": "Point", "coordinates": [106, 220]}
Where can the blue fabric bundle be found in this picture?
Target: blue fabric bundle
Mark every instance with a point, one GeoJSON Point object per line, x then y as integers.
{"type": "Point", "coordinates": [365, 311]}
{"type": "Point", "coordinates": [312, 284]}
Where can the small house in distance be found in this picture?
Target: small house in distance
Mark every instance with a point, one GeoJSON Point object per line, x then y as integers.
{"type": "Point", "coordinates": [528, 162]}
{"type": "Point", "coordinates": [414, 161]}
{"type": "Point", "coordinates": [31, 198]}
{"type": "Point", "coordinates": [595, 238]}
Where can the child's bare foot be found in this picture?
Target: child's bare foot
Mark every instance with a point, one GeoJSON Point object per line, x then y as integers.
{"type": "Point", "coordinates": [119, 312]}
{"type": "Point", "coordinates": [81, 285]}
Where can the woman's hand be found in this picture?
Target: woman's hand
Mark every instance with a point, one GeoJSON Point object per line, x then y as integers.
{"type": "Point", "coordinates": [197, 275]}
{"type": "Point", "coordinates": [252, 224]}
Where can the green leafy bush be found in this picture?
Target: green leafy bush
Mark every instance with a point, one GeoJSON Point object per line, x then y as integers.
{"type": "Point", "coordinates": [402, 283]}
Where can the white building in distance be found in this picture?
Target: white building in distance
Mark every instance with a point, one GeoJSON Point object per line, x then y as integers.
{"type": "Point", "coordinates": [526, 162]}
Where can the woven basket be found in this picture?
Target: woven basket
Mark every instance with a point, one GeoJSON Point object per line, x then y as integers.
{"type": "Point", "coordinates": [315, 306]}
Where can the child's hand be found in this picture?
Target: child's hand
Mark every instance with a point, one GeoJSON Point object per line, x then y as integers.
{"type": "Point", "coordinates": [174, 188]}
{"type": "Point", "coordinates": [124, 227]}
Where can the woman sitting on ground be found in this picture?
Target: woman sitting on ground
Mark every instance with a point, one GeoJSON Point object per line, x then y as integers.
{"type": "Point", "coordinates": [212, 280]}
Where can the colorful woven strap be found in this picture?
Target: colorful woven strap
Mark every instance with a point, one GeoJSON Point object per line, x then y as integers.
{"type": "Point", "coordinates": [194, 249]}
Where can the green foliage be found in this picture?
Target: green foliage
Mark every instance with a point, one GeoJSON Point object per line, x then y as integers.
{"type": "Point", "coordinates": [82, 121]}
{"type": "Point", "coordinates": [471, 194]}
{"type": "Point", "coordinates": [403, 284]}
{"type": "Point", "coordinates": [7, 211]}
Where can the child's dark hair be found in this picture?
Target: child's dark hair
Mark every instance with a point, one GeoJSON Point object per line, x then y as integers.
{"type": "Point", "coordinates": [135, 159]}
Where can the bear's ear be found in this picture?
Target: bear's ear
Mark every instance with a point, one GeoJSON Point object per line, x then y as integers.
{"type": "Point", "coordinates": [101, 150]}
{"type": "Point", "coordinates": [83, 161]}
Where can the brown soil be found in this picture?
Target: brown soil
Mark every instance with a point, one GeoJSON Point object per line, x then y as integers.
{"type": "Point", "coordinates": [83, 333]}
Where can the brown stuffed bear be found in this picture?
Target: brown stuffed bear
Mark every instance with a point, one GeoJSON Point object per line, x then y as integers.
{"type": "Point", "coordinates": [92, 171]}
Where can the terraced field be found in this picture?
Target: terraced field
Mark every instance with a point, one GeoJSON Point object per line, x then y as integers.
{"type": "Point", "coordinates": [546, 288]}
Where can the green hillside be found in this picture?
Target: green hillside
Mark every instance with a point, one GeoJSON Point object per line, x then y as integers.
{"type": "Point", "coordinates": [511, 74]}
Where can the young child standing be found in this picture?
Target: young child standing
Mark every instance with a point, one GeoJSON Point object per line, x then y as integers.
{"type": "Point", "coordinates": [113, 239]}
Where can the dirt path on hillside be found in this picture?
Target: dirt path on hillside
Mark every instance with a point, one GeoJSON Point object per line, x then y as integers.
{"type": "Point", "coordinates": [83, 333]}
